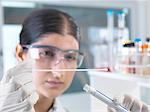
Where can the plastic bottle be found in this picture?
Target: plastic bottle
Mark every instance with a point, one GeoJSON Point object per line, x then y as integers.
{"type": "Point", "coordinates": [138, 56]}
{"type": "Point", "coordinates": [129, 59]}
{"type": "Point", "coordinates": [110, 29]}
{"type": "Point", "coordinates": [146, 57]}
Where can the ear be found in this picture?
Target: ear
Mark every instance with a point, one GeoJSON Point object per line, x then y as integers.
{"type": "Point", "coordinates": [20, 55]}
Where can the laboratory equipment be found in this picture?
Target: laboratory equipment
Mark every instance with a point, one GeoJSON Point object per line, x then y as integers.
{"type": "Point", "coordinates": [110, 28]}
{"type": "Point", "coordinates": [101, 96]}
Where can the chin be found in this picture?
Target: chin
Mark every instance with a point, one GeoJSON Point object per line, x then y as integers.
{"type": "Point", "coordinates": [52, 93]}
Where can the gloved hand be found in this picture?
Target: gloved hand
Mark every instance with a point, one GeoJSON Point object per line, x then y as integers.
{"type": "Point", "coordinates": [132, 104]}
{"type": "Point", "coordinates": [17, 90]}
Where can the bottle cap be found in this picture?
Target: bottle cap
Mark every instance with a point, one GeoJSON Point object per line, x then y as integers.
{"type": "Point", "coordinates": [137, 40]}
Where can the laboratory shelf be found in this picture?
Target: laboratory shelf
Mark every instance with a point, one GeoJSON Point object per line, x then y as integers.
{"type": "Point", "coordinates": [141, 79]}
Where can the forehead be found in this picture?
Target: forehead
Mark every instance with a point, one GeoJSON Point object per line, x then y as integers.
{"type": "Point", "coordinates": [64, 42]}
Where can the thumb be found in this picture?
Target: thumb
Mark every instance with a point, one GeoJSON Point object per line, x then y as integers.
{"type": "Point", "coordinates": [118, 99]}
{"type": "Point", "coordinates": [145, 108]}
{"type": "Point", "coordinates": [109, 109]}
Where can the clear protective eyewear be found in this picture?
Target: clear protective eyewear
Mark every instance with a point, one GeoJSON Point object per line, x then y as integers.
{"type": "Point", "coordinates": [46, 56]}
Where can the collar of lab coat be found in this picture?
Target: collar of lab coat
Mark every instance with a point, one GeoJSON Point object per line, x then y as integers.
{"type": "Point", "coordinates": [57, 107]}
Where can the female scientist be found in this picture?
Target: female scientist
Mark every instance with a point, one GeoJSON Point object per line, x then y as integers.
{"type": "Point", "coordinates": [49, 42]}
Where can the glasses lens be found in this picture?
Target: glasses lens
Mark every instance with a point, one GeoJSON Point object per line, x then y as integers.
{"type": "Point", "coordinates": [74, 58]}
{"type": "Point", "coordinates": [47, 56]}
{"type": "Point", "coordinates": [80, 59]}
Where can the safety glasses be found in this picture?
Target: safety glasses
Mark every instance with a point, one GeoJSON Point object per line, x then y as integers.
{"type": "Point", "coordinates": [46, 56]}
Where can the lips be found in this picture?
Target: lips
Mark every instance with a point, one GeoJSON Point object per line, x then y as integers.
{"type": "Point", "coordinates": [54, 84]}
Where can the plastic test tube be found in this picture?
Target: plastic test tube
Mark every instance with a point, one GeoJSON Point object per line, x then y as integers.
{"type": "Point", "coordinates": [104, 98]}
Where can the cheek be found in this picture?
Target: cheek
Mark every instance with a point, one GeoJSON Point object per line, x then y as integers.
{"type": "Point", "coordinates": [68, 79]}
{"type": "Point", "coordinates": [38, 79]}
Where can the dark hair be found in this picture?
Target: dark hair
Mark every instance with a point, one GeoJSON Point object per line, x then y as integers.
{"type": "Point", "coordinates": [46, 21]}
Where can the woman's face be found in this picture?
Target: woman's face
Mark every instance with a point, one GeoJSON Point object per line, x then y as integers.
{"type": "Point", "coordinates": [53, 83]}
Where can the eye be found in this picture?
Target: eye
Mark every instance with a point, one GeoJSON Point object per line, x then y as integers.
{"type": "Point", "coordinates": [47, 54]}
{"type": "Point", "coordinates": [71, 57]}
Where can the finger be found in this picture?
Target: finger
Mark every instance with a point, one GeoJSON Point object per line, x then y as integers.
{"type": "Point", "coordinates": [145, 108]}
{"type": "Point", "coordinates": [118, 99]}
{"type": "Point", "coordinates": [9, 87]}
{"type": "Point", "coordinates": [128, 102]}
{"type": "Point", "coordinates": [22, 107]}
{"type": "Point", "coordinates": [24, 78]}
{"type": "Point", "coordinates": [33, 98]}
{"type": "Point", "coordinates": [136, 106]}
{"type": "Point", "coordinates": [22, 67]}
{"type": "Point", "coordinates": [109, 109]}
{"type": "Point", "coordinates": [14, 97]}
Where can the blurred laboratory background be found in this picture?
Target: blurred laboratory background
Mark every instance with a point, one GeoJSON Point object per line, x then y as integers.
{"type": "Point", "coordinates": [115, 39]}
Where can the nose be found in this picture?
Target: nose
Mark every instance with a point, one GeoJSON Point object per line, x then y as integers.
{"type": "Point", "coordinates": [59, 61]}
{"type": "Point", "coordinates": [57, 74]}
{"type": "Point", "coordinates": [57, 66]}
